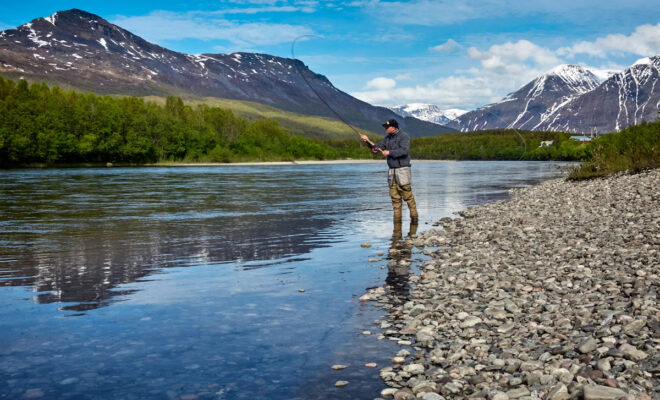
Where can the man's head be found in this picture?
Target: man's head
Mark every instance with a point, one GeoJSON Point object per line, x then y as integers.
{"type": "Point", "coordinates": [391, 126]}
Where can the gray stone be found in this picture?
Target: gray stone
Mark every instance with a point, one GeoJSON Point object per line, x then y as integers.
{"type": "Point", "coordinates": [404, 394]}
{"type": "Point", "coordinates": [423, 387]}
{"type": "Point", "coordinates": [588, 345]}
{"type": "Point", "coordinates": [632, 353]}
{"type": "Point", "coordinates": [559, 392]}
{"type": "Point", "coordinates": [414, 369]}
{"type": "Point", "coordinates": [593, 392]}
{"type": "Point", "coordinates": [518, 393]}
{"type": "Point", "coordinates": [432, 396]}
{"type": "Point", "coordinates": [469, 322]}
{"type": "Point", "coordinates": [497, 395]}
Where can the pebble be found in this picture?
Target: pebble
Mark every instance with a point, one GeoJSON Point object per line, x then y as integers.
{"type": "Point", "coordinates": [432, 396]}
{"type": "Point", "coordinates": [588, 346]}
{"type": "Point", "coordinates": [559, 392]}
{"type": "Point", "coordinates": [365, 245]}
{"type": "Point", "coordinates": [594, 392]}
{"type": "Point", "coordinates": [341, 383]}
{"type": "Point", "coordinates": [371, 365]}
{"type": "Point", "coordinates": [552, 293]}
{"type": "Point", "coordinates": [339, 367]}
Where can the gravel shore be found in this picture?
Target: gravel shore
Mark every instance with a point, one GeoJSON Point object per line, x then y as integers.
{"type": "Point", "coordinates": [552, 294]}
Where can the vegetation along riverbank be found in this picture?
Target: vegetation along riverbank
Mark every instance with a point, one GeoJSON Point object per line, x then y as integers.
{"type": "Point", "coordinates": [552, 294]}
{"type": "Point", "coordinates": [48, 126]}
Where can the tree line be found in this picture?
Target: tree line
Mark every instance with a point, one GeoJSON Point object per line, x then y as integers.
{"type": "Point", "coordinates": [42, 125]}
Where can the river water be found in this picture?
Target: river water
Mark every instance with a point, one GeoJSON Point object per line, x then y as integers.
{"type": "Point", "coordinates": [226, 282]}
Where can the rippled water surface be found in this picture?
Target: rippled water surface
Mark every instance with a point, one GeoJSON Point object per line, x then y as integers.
{"type": "Point", "coordinates": [138, 283]}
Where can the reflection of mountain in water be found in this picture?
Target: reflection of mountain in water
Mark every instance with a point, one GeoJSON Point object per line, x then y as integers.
{"type": "Point", "coordinates": [89, 269]}
{"type": "Point", "coordinates": [79, 246]}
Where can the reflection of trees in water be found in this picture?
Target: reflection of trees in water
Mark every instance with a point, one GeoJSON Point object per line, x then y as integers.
{"type": "Point", "coordinates": [400, 259]}
{"type": "Point", "coordinates": [86, 267]}
{"type": "Point", "coordinates": [76, 235]}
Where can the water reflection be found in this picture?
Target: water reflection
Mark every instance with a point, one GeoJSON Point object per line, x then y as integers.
{"type": "Point", "coordinates": [400, 260]}
{"type": "Point", "coordinates": [74, 238]}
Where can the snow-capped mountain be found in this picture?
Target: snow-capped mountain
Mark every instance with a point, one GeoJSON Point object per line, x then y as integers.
{"type": "Point", "coordinates": [81, 50]}
{"type": "Point", "coordinates": [428, 112]}
{"type": "Point", "coordinates": [533, 104]}
{"type": "Point", "coordinates": [602, 74]}
{"type": "Point", "coordinates": [626, 98]}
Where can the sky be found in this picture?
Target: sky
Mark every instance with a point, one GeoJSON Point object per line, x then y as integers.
{"type": "Point", "coordinates": [455, 54]}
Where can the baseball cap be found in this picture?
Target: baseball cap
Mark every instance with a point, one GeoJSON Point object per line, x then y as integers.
{"type": "Point", "coordinates": [391, 122]}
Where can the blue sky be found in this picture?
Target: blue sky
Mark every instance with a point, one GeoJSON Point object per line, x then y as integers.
{"type": "Point", "coordinates": [456, 54]}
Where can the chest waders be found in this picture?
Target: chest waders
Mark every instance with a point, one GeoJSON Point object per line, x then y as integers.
{"type": "Point", "coordinates": [399, 180]}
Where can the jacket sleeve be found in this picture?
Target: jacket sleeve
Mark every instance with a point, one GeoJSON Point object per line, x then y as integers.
{"type": "Point", "coordinates": [401, 148]}
{"type": "Point", "coordinates": [379, 145]}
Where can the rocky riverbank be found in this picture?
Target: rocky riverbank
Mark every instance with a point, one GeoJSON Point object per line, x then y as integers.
{"type": "Point", "coordinates": [552, 294]}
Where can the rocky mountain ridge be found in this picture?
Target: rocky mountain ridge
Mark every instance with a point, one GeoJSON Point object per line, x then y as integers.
{"type": "Point", "coordinates": [534, 103]}
{"type": "Point", "coordinates": [81, 50]}
{"type": "Point", "coordinates": [576, 99]}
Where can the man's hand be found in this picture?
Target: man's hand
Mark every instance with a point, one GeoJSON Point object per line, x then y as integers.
{"type": "Point", "coordinates": [385, 152]}
{"type": "Point", "coordinates": [364, 138]}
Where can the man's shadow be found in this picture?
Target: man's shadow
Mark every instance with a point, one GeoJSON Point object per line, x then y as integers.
{"type": "Point", "coordinates": [400, 260]}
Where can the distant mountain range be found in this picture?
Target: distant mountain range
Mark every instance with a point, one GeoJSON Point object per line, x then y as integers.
{"type": "Point", "coordinates": [83, 51]}
{"type": "Point", "coordinates": [428, 112]}
{"type": "Point", "coordinates": [576, 99]}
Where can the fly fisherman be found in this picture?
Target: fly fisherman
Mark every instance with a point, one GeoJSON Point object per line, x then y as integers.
{"type": "Point", "coordinates": [396, 147]}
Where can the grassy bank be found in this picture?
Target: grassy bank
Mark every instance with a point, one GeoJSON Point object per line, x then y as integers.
{"type": "Point", "coordinates": [633, 149]}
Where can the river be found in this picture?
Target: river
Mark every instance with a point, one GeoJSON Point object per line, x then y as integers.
{"type": "Point", "coordinates": [218, 282]}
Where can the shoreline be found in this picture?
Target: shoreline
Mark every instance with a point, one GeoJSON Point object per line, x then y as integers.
{"type": "Point", "coordinates": [259, 163]}
{"type": "Point", "coordinates": [550, 294]}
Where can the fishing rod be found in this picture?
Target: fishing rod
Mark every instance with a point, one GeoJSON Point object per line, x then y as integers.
{"type": "Point", "coordinates": [374, 149]}
{"type": "Point", "coordinates": [293, 55]}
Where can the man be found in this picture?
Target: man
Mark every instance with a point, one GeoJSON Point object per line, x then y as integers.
{"type": "Point", "coordinates": [396, 147]}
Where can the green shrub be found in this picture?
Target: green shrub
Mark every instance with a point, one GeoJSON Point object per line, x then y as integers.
{"type": "Point", "coordinates": [631, 150]}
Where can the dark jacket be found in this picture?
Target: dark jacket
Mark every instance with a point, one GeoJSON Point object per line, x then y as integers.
{"type": "Point", "coordinates": [398, 144]}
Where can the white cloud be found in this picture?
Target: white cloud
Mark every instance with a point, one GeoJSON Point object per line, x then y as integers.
{"type": "Point", "coordinates": [503, 68]}
{"type": "Point", "coordinates": [447, 47]}
{"type": "Point", "coordinates": [445, 92]}
{"type": "Point", "coordinates": [518, 59]}
{"type": "Point", "coordinates": [645, 41]}
{"type": "Point", "coordinates": [381, 83]}
{"type": "Point", "coordinates": [165, 25]}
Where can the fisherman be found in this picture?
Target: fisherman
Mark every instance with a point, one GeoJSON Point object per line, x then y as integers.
{"type": "Point", "coordinates": [396, 147]}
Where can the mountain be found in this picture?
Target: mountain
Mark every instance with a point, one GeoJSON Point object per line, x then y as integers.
{"type": "Point", "coordinates": [428, 112]}
{"type": "Point", "coordinates": [626, 98]}
{"type": "Point", "coordinates": [81, 50]}
{"type": "Point", "coordinates": [534, 104]}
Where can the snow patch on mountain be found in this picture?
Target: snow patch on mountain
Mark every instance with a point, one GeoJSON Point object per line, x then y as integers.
{"type": "Point", "coordinates": [428, 112]}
